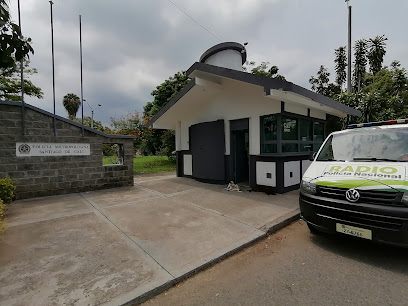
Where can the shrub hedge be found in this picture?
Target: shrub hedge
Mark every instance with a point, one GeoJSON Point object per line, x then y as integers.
{"type": "Point", "coordinates": [3, 208]}
{"type": "Point", "coordinates": [7, 188]}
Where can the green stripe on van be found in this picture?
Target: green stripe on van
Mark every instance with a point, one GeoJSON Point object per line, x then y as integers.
{"type": "Point", "coordinates": [358, 183]}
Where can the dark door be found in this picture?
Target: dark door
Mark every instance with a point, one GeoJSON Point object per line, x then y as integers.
{"type": "Point", "coordinates": [239, 155]}
{"type": "Point", "coordinates": [207, 145]}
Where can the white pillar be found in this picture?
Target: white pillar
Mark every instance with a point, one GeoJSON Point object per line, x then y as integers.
{"type": "Point", "coordinates": [184, 138]}
{"type": "Point", "coordinates": [254, 136]}
{"type": "Point", "coordinates": [178, 136]}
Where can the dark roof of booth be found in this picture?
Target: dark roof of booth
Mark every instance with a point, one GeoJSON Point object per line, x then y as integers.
{"type": "Point", "coordinates": [266, 82]}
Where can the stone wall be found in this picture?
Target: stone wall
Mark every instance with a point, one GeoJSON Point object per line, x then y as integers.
{"type": "Point", "coordinates": [51, 175]}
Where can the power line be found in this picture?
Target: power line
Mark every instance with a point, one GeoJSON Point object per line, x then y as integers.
{"type": "Point", "coordinates": [194, 20]}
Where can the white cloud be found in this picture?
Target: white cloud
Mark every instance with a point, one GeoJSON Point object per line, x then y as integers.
{"type": "Point", "coordinates": [131, 47]}
{"type": "Point", "coordinates": [131, 76]}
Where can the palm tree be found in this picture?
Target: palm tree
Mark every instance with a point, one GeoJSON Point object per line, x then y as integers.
{"type": "Point", "coordinates": [71, 103]}
{"type": "Point", "coordinates": [376, 52]}
{"type": "Point", "coordinates": [360, 63]}
{"type": "Point", "coordinates": [340, 61]}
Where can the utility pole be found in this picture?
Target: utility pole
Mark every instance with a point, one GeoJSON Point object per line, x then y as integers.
{"type": "Point", "coordinates": [22, 76]}
{"type": "Point", "coordinates": [82, 86]}
{"type": "Point", "coordinates": [53, 67]}
{"type": "Point", "coordinates": [349, 49]}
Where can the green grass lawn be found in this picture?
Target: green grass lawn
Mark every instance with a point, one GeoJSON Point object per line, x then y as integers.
{"type": "Point", "coordinates": [150, 164]}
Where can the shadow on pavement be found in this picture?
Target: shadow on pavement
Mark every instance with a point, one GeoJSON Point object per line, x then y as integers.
{"type": "Point", "coordinates": [384, 256]}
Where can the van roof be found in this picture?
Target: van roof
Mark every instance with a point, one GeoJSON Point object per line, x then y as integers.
{"type": "Point", "coordinates": [389, 122]}
{"type": "Point", "coordinates": [371, 127]}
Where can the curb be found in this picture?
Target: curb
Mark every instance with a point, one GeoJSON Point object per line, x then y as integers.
{"type": "Point", "coordinates": [268, 228]}
{"type": "Point", "coordinates": [281, 222]}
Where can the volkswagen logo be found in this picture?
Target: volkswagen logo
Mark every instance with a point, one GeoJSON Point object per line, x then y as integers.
{"type": "Point", "coordinates": [352, 195]}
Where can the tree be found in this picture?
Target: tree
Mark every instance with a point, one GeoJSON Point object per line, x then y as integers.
{"type": "Point", "coordinates": [321, 84]}
{"type": "Point", "coordinates": [360, 63]}
{"type": "Point", "coordinates": [10, 83]}
{"type": "Point", "coordinates": [376, 53]}
{"type": "Point", "coordinates": [71, 103]}
{"type": "Point", "coordinates": [162, 140]}
{"type": "Point", "coordinates": [399, 77]}
{"type": "Point", "coordinates": [381, 94]}
{"type": "Point", "coordinates": [13, 46]}
{"type": "Point", "coordinates": [384, 97]}
{"type": "Point", "coordinates": [165, 92]}
{"type": "Point", "coordinates": [97, 125]}
{"type": "Point", "coordinates": [135, 125]}
{"type": "Point", "coordinates": [169, 145]}
{"type": "Point", "coordinates": [263, 69]}
{"type": "Point", "coordinates": [340, 62]}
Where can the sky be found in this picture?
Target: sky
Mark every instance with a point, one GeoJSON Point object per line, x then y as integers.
{"type": "Point", "coordinates": [131, 46]}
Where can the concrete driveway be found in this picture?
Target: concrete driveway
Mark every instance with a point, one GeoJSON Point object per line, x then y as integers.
{"type": "Point", "coordinates": [127, 244]}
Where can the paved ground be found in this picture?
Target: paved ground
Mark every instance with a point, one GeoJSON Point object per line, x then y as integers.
{"type": "Point", "coordinates": [115, 245]}
{"type": "Point", "coordinates": [293, 267]}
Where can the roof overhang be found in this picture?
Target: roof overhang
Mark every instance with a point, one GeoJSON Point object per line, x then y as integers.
{"type": "Point", "coordinates": [206, 80]}
{"type": "Point", "coordinates": [194, 95]}
{"type": "Point", "coordinates": [292, 97]}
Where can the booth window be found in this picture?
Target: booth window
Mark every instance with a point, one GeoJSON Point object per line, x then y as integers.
{"type": "Point", "coordinates": [290, 135]}
{"type": "Point", "coordinates": [281, 133]}
{"type": "Point", "coordinates": [269, 134]}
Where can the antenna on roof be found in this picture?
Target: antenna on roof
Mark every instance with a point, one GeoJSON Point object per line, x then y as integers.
{"type": "Point", "coordinates": [243, 50]}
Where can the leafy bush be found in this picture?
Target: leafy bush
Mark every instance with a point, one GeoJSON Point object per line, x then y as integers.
{"type": "Point", "coordinates": [168, 143]}
{"type": "Point", "coordinates": [7, 188]}
{"type": "Point", "coordinates": [109, 149]}
{"type": "Point", "coordinates": [173, 158]}
{"type": "Point", "coordinates": [3, 208]}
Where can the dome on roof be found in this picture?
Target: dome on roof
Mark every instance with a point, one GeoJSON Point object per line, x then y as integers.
{"type": "Point", "coordinates": [230, 55]}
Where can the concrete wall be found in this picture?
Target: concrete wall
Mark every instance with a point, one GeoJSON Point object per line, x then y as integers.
{"type": "Point", "coordinates": [50, 175]}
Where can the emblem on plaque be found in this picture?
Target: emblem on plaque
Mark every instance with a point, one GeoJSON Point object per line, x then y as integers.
{"type": "Point", "coordinates": [24, 148]}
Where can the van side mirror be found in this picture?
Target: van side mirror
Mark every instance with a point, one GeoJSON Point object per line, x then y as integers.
{"type": "Point", "coordinates": [312, 156]}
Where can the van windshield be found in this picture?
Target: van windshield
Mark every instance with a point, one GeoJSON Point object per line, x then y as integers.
{"type": "Point", "coordinates": [367, 144]}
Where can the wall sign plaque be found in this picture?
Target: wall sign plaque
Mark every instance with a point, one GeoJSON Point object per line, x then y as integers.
{"type": "Point", "coordinates": [28, 149]}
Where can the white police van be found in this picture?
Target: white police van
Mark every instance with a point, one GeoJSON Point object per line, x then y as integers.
{"type": "Point", "coordinates": [357, 183]}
